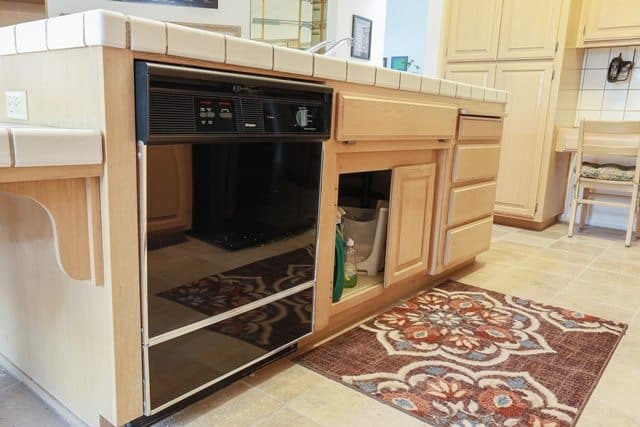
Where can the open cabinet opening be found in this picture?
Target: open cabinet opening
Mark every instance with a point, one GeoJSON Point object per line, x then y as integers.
{"type": "Point", "coordinates": [363, 201]}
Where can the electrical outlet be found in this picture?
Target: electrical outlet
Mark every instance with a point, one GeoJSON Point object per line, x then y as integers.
{"type": "Point", "coordinates": [16, 101]}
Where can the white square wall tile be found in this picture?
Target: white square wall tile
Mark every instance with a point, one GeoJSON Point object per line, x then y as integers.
{"type": "Point", "coordinates": [147, 35]}
{"type": "Point", "coordinates": [597, 58]}
{"type": "Point", "coordinates": [593, 79]}
{"type": "Point", "coordinates": [632, 115]}
{"type": "Point", "coordinates": [614, 100]}
{"type": "Point", "coordinates": [65, 31]}
{"type": "Point", "coordinates": [7, 40]}
{"type": "Point", "coordinates": [195, 43]}
{"type": "Point", "coordinates": [327, 67]}
{"type": "Point", "coordinates": [31, 36]}
{"type": "Point", "coordinates": [410, 81]}
{"type": "Point", "coordinates": [295, 61]}
{"type": "Point", "coordinates": [105, 28]}
{"type": "Point", "coordinates": [432, 85]}
{"type": "Point", "coordinates": [611, 115]}
{"type": "Point", "coordinates": [591, 100]}
{"type": "Point", "coordinates": [48, 147]}
{"type": "Point", "coordinates": [633, 100]}
{"type": "Point", "coordinates": [587, 115]}
{"type": "Point", "coordinates": [5, 151]}
{"type": "Point", "coordinates": [386, 77]}
{"type": "Point", "coordinates": [249, 53]}
{"type": "Point", "coordinates": [634, 78]}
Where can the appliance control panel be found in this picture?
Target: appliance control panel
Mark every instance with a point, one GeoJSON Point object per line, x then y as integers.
{"type": "Point", "coordinates": [215, 114]}
{"type": "Point", "coordinates": [293, 117]}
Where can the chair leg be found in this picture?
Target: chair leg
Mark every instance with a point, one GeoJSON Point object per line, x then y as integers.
{"type": "Point", "coordinates": [584, 209]}
{"type": "Point", "coordinates": [632, 215]}
{"type": "Point", "coordinates": [574, 208]}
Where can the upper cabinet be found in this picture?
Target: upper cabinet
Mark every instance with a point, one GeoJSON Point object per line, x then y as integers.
{"type": "Point", "coordinates": [609, 22]}
{"type": "Point", "coordinates": [473, 30]}
{"type": "Point", "coordinates": [529, 29]}
{"type": "Point", "coordinates": [486, 30]}
{"type": "Point", "coordinates": [479, 74]}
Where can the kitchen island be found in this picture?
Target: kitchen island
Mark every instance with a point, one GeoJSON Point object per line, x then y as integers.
{"type": "Point", "coordinates": [70, 286]}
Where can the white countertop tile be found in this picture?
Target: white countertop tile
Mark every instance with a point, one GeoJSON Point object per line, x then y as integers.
{"type": "Point", "coordinates": [147, 35]}
{"type": "Point", "coordinates": [447, 88]}
{"type": "Point", "coordinates": [105, 28]}
{"type": "Point", "coordinates": [361, 72]}
{"type": "Point", "coordinates": [5, 151]}
{"type": "Point", "coordinates": [51, 147]}
{"type": "Point", "coordinates": [431, 85]}
{"type": "Point", "coordinates": [31, 36]}
{"type": "Point", "coordinates": [502, 96]}
{"type": "Point", "coordinates": [463, 90]}
{"type": "Point", "coordinates": [328, 67]}
{"type": "Point", "coordinates": [386, 77]}
{"type": "Point", "coordinates": [477, 93]}
{"type": "Point", "coordinates": [410, 81]}
{"type": "Point", "coordinates": [64, 32]}
{"type": "Point", "coordinates": [194, 43]}
{"type": "Point", "coordinates": [249, 53]}
{"type": "Point", "coordinates": [490, 95]}
{"type": "Point", "coordinates": [294, 61]}
{"type": "Point", "coordinates": [7, 40]}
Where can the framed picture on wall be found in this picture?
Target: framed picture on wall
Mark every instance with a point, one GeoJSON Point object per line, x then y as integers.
{"type": "Point", "coordinates": [361, 34]}
{"type": "Point", "coordinates": [400, 63]}
{"type": "Point", "coordinates": [208, 4]}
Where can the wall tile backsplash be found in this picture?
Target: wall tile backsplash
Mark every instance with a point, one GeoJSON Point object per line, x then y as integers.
{"type": "Point", "coordinates": [601, 100]}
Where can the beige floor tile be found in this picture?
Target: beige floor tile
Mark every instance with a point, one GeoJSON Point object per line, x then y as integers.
{"type": "Point", "coordinates": [618, 265]}
{"type": "Point", "coordinates": [333, 404]}
{"type": "Point", "coordinates": [552, 232]}
{"type": "Point", "coordinates": [286, 417]}
{"type": "Point", "coordinates": [515, 247]}
{"type": "Point", "coordinates": [237, 405]}
{"type": "Point", "coordinates": [608, 288]}
{"type": "Point", "coordinates": [501, 256]}
{"type": "Point", "coordinates": [578, 246]}
{"type": "Point", "coordinates": [20, 407]}
{"type": "Point", "coordinates": [528, 239]}
{"type": "Point", "coordinates": [598, 414]}
{"type": "Point", "coordinates": [585, 303]}
{"type": "Point", "coordinates": [561, 255]}
{"type": "Point", "coordinates": [537, 285]}
{"type": "Point", "coordinates": [619, 387]}
{"type": "Point", "coordinates": [555, 267]}
{"type": "Point", "coordinates": [284, 380]}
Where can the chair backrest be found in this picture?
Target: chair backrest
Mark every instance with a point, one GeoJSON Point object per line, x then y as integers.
{"type": "Point", "coordinates": [609, 138]}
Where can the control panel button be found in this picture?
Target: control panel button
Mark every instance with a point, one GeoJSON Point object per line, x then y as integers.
{"type": "Point", "coordinates": [302, 117]}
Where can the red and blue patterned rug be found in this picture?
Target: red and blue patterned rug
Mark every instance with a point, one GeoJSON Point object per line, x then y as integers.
{"type": "Point", "coordinates": [462, 355]}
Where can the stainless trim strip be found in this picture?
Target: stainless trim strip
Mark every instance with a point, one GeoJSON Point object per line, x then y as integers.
{"type": "Point", "coordinates": [467, 112]}
{"type": "Point", "coordinates": [222, 377]}
{"type": "Point", "coordinates": [228, 314]}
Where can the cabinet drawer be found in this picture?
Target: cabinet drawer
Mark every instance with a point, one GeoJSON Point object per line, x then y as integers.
{"type": "Point", "coordinates": [467, 241]}
{"type": "Point", "coordinates": [363, 118]}
{"type": "Point", "coordinates": [475, 162]}
{"type": "Point", "coordinates": [479, 128]}
{"type": "Point", "coordinates": [471, 202]}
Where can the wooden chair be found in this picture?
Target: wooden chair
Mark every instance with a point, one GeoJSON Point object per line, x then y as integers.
{"type": "Point", "coordinates": [587, 184]}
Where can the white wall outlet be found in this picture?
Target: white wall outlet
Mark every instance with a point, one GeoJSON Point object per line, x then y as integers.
{"type": "Point", "coordinates": [16, 101]}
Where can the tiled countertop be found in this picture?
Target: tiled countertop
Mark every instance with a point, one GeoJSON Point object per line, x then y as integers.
{"type": "Point", "coordinates": [107, 28]}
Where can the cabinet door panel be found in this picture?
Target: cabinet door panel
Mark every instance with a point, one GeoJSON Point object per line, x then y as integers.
{"type": "Point", "coordinates": [523, 135]}
{"type": "Point", "coordinates": [410, 213]}
{"type": "Point", "coordinates": [473, 30]}
{"type": "Point", "coordinates": [529, 29]}
{"type": "Point", "coordinates": [467, 241]}
{"type": "Point", "coordinates": [611, 20]}
{"type": "Point", "coordinates": [479, 74]}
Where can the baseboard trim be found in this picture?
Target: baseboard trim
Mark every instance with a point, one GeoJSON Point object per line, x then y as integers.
{"type": "Point", "coordinates": [524, 223]}
{"type": "Point", "coordinates": [47, 398]}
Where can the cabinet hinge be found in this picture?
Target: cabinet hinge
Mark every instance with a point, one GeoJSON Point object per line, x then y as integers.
{"type": "Point", "coordinates": [553, 74]}
{"type": "Point", "coordinates": [535, 209]}
{"type": "Point", "coordinates": [557, 45]}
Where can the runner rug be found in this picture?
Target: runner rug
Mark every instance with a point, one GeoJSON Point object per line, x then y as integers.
{"type": "Point", "coordinates": [462, 355]}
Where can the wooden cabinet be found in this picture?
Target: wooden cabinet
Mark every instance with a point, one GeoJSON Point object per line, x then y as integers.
{"type": "Point", "coordinates": [529, 29]}
{"type": "Point", "coordinates": [523, 135]}
{"type": "Point", "coordinates": [170, 192]}
{"type": "Point", "coordinates": [473, 30]}
{"type": "Point", "coordinates": [475, 161]}
{"type": "Point", "coordinates": [409, 231]}
{"type": "Point", "coordinates": [610, 21]}
{"type": "Point", "coordinates": [471, 202]}
{"type": "Point", "coordinates": [468, 240]}
{"type": "Point", "coordinates": [480, 74]}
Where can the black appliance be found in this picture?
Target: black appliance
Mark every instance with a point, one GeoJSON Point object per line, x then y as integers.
{"type": "Point", "coordinates": [229, 185]}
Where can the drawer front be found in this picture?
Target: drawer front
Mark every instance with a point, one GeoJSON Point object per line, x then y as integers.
{"type": "Point", "coordinates": [467, 241]}
{"type": "Point", "coordinates": [362, 118]}
{"type": "Point", "coordinates": [479, 128]}
{"type": "Point", "coordinates": [471, 202]}
{"type": "Point", "coordinates": [475, 161]}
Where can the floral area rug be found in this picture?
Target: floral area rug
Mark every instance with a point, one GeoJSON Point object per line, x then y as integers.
{"type": "Point", "coordinates": [277, 322]}
{"type": "Point", "coordinates": [463, 356]}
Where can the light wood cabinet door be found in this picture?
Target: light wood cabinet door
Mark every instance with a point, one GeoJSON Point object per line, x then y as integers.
{"type": "Point", "coordinates": [523, 135]}
{"type": "Point", "coordinates": [410, 213]}
{"type": "Point", "coordinates": [529, 29]}
{"type": "Point", "coordinates": [479, 74]}
{"type": "Point", "coordinates": [169, 193]}
{"type": "Point", "coordinates": [473, 30]}
{"type": "Point", "coordinates": [611, 20]}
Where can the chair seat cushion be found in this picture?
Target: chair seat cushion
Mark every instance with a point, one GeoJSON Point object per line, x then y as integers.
{"type": "Point", "coordinates": [608, 171]}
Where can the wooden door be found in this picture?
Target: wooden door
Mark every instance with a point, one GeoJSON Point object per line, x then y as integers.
{"type": "Point", "coordinates": [169, 191]}
{"type": "Point", "coordinates": [529, 29]}
{"type": "Point", "coordinates": [473, 30]}
{"type": "Point", "coordinates": [611, 20]}
{"type": "Point", "coordinates": [409, 230]}
{"type": "Point", "coordinates": [522, 135]}
{"type": "Point", "coordinates": [479, 74]}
